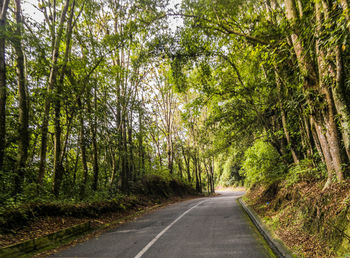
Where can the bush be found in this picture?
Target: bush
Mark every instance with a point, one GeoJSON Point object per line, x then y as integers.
{"type": "Point", "coordinates": [304, 171]}
{"type": "Point", "coordinates": [262, 164]}
{"type": "Point", "coordinates": [230, 175]}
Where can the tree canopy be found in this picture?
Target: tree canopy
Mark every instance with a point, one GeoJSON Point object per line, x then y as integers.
{"type": "Point", "coordinates": [96, 95]}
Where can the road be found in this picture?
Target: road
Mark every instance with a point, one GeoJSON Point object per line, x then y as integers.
{"type": "Point", "coordinates": [204, 227]}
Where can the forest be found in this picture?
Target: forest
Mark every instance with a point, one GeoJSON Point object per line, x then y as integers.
{"type": "Point", "coordinates": [97, 95]}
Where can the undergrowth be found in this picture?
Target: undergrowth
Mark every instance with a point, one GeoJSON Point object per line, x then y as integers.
{"type": "Point", "coordinates": [312, 222]}
{"type": "Point", "coordinates": [20, 212]}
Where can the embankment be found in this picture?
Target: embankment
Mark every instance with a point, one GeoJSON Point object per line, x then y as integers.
{"type": "Point", "coordinates": [311, 222]}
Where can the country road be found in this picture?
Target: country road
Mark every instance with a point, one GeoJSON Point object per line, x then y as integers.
{"type": "Point", "coordinates": [205, 227]}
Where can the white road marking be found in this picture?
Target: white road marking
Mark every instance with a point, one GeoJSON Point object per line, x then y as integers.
{"type": "Point", "coordinates": [126, 231]}
{"type": "Point", "coordinates": [148, 246]}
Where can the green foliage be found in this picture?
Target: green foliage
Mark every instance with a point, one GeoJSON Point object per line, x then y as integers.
{"type": "Point", "coordinates": [303, 171]}
{"type": "Point", "coordinates": [262, 164]}
{"type": "Point", "coordinates": [230, 175]}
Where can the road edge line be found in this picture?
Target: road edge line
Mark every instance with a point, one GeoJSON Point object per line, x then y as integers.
{"type": "Point", "coordinates": [277, 247]}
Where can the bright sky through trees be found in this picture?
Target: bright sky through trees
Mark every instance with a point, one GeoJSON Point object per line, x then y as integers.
{"type": "Point", "coordinates": [30, 9]}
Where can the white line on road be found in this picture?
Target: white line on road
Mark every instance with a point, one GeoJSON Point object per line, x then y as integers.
{"type": "Point", "coordinates": [148, 246]}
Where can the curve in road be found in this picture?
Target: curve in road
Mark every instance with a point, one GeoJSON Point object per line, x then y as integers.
{"type": "Point", "coordinates": [205, 227]}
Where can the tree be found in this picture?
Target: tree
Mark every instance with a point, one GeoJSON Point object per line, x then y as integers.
{"type": "Point", "coordinates": [3, 87]}
{"type": "Point", "coordinates": [23, 133]}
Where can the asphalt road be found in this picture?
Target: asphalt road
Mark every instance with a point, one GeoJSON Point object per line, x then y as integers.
{"type": "Point", "coordinates": [205, 227]}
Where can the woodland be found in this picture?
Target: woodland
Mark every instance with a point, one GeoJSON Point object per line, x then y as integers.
{"type": "Point", "coordinates": [97, 94]}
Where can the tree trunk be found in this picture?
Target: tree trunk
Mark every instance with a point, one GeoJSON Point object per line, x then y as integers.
{"type": "Point", "coordinates": [304, 63]}
{"type": "Point", "coordinates": [328, 113]}
{"type": "Point", "coordinates": [307, 135]}
{"type": "Point", "coordinates": [170, 153]}
{"type": "Point", "coordinates": [326, 153]}
{"type": "Point", "coordinates": [341, 100]}
{"type": "Point", "coordinates": [284, 119]}
{"type": "Point", "coordinates": [83, 149]}
{"type": "Point", "coordinates": [141, 148]}
{"type": "Point", "coordinates": [131, 149]}
{"type": "Point", "coordinates": [58, 89]}
{"type": "Point", "coordinates": [3, 87]}
{"type": "Point", "coordinates": [57, 143]}
{"type": "Point", "coordinates": [345, 6]}
{"type": "Point", "coordinates": [93, 131]}
{"type": "Point", "coordinates": [324, 117]}
{"type": "Point", "coordinates": [196, 172]}
{"type": "Point", "coordinates": [208, 177]}
{"type": "Point", "coordinates": [187, 162]}
{"type": "Point", "coordinates": [317, 140]}
{"type": "Point", "coordinates": [212, 175]}
{"type": "Point", "coordinates": [51, 86]}
{"type": "Point", "coordinates": [179, 164]}
{"type": "Point", "coordinates": [23, 133]}
{"type": "Point", "coordinates": [114, 167]}
{"type": "Point", "coordinates": [125, 168]}
{"type": "Point", "coordinates": [76, 164]}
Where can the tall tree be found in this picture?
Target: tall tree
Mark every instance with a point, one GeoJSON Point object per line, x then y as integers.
{"type": "Point", "coordinates": [3, 87]}
{"type": "Point", "coordinates": [51, 84]}
{"type": "Point", "coordinates": [23, 134]}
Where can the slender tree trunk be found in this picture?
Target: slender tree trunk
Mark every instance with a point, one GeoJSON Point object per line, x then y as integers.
{"type": "Point", "coordinates": [307, 135]}
{"type": "Point", "coordinates": [170, 153]}
{"type": "Point", "coordinates": [156, 141]}
{"type": "Point", "coordinates": [179, 164]}
{"type": "Point", "coordinates": [66, 137]}
{"type": "Point", "coordinates": [187, 162]}
{"type": "Point", "coordinates": [76, 164]}
{"type": "Point", "coordinates": [212, 175]}
{"type": "Point", "coordinates": [58, 89]}
{"type": "Point", "coordinates": [57, 143]}
{"type": "Point", "coordinates": [141, 148]}
{"type": "Point", "coordinates": [196, 172]}
{"type": "Point", "coordinates": [317, 140]}
{"type": "Point", "coordinates": [93, 131]}
{"type": "Point", "coordinates": [51, 86]}
{"type": "Point", "coordinates": [199, 174]}
{"type": "Point", "coordinates": [284, 119]}
{"type": "Point", "coordinates": [114, 167]}
{"type": "Point", "coordinates": [23, 133]}
{"type": "Point", "coordinates": [83, 149]}
{"type": "Point", "coordinates": [208, 177]}
{"type": "Point", "coordinates": [3, 87]}
{"type": "Point", "coordinates": [125, 168]}
{"type": "Point", "coordinates": [131, 149]}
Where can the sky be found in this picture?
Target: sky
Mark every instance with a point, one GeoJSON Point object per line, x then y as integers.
{"type": "Point", "coordinates": [30, 10]}
{"type": "Point", "coordinates": [174, 22]}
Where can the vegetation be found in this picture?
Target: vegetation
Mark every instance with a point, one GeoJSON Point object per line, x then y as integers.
{"type": "Point", "coordinates": [88, 103]}
{"type": "Point", "coordinates": [96, 95]}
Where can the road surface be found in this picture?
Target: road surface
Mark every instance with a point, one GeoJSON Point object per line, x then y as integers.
{"type": "Point", "coordinates": [204, 227]}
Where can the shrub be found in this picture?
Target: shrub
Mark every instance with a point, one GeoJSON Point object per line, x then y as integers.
{"type": "Point", "coordinates": [304, 171]}
{"type": "Point", "coordinates": [230, 175]}
{"type": "Point", "coordinates": [262, 164]}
